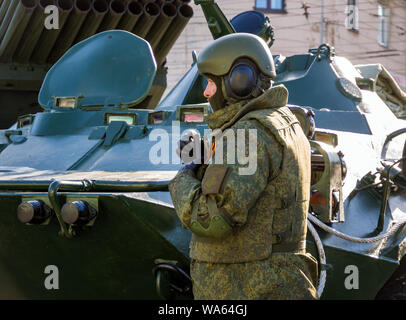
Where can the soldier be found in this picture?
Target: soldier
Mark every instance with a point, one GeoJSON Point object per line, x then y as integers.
{"type": "Point", "coordinates": [249, 231]}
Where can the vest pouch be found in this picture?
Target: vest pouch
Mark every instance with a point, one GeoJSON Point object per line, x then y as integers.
{"type": "Point", "coordinates": [282, 224]}
{"type": "Point", "coordinates": [217, 227]}
{"type": "Point", "coordinates": [284, 213]}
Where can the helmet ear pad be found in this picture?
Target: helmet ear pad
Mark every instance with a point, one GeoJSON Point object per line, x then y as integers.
{"type": "Point", "coordinates": [242, 79]}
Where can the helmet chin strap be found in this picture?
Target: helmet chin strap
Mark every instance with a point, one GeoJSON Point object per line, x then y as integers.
{"type": "Point", "coordinates": [262, 85]}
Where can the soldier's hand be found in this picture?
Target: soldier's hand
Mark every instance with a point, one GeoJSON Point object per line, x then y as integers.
{"type": "Point", "coordinates": [189, 145]}
{"type": "Point", "coordinates": [190, 166]}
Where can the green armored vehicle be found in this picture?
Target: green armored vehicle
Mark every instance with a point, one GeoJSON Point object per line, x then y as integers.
{"type": "Point", "coordinates": [84, 206]}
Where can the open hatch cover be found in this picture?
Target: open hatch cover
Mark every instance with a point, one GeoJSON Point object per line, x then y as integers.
{"type": "Point", "coordinates": [110, 68]}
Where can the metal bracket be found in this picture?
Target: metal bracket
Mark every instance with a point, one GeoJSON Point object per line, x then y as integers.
{"type": "Point", "coordinates": [321, 52]}
{"type": "Point", "coordinates": [84, 185]}
{"type": "Point", "coordinates": [329, 182]}
{"type": "Point", "coordinates": [184, 287]}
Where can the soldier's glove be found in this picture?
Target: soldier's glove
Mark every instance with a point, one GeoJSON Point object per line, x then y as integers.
{"type": "Point", "coordinates": [190, 166]}
{"type": "Point", "coordinates": [212, 226]}
{"type": "Point", "coordinates": [191, 147]}
{"type": "Point", "coordinates": [215, 222]}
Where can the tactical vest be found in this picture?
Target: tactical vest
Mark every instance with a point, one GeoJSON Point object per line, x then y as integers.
{"type": "Point", "coordinates": [277, 222]}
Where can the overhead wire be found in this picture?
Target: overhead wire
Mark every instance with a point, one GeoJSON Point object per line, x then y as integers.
{"type": "Point", "coordinates": [373, 40]}
{"type": "Point", "coordinates": [332, 9]}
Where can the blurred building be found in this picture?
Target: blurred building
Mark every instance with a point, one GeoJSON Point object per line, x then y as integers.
{"type": "Point", "coordinates": [364, 31]}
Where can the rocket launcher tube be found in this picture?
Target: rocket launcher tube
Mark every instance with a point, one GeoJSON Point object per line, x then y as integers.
{"type": "Point", "coordinates": [15, 30]}
{"type": "Point", "coordinates": [7, 17]}
{"type": "Point", "coordinates": [161, 2]}
{"type": "Point", "coordinates": [185, 12]}
{"type": "Point", "coordinates": [49, 37]}
{"type": "Point", "coordinates": [3, 9]}
{"type": "Point", "coordinates": [144, 24]}
{"type": "Point", "coordinates": [93, 20]}
{"type": "Point", "coordinates": [168, 13]}
{"type": "Point", "coordinates": [32, 33]}
{"type": "Point", "coordinates": [131, 16]}
{"type": "Point", "coordinates": [70, 29]}
{"type": "Point", "coordinates": [113, 16]}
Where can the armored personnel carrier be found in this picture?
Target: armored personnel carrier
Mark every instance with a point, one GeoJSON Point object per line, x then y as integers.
{"type": "Point", "coordinates": [84, 202]}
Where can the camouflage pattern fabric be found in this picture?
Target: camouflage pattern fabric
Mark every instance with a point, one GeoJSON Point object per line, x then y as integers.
{"type": "Point", "coordinates": [283, 276]}
{"type": "Point", "coordinates": [268, 207]}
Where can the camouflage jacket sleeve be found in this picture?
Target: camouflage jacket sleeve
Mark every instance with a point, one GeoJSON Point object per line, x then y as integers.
{"type": "Point", "coordinates": [243, 183]}
{"type": "Point", "coordinates": [185, 188]}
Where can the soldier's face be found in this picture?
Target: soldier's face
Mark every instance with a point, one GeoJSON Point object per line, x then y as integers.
{"type": "Point", "coordinates": [211, 88]}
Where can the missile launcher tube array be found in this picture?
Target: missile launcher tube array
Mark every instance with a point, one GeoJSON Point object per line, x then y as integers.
{"type": "Point", "coordinates": [25, 39]}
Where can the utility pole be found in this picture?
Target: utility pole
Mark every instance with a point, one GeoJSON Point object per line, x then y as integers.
{"type": "Point", "coordinates": [322, 23]}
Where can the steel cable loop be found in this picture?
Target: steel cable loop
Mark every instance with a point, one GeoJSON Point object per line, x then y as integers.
{"type": "Point", "coordinates": [322, 258]}
{"type": "Point", "coordinates": [341, 235]}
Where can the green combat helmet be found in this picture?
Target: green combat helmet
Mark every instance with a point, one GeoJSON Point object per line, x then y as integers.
{"type": "Point", "coordinates": [218, 57]}
{"type": "Point", "coordinates": [243, 60]}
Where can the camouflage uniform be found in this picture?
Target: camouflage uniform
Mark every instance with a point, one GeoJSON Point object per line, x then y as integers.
{"type": "Point", "coordinates": [264, 257]}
